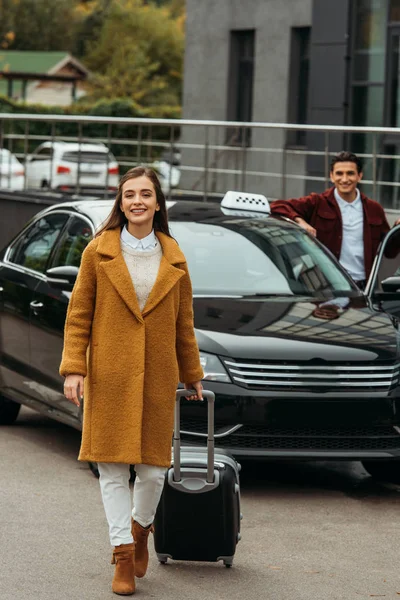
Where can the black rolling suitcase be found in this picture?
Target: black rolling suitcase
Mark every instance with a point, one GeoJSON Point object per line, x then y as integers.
{"type": "Point", "coordinates": [198, 517]}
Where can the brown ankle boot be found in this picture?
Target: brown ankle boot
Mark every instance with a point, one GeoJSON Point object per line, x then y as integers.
{"type": "Point", "coordinates": [124, 577]}
{"type": "Point", "coordinates": [141, 535]}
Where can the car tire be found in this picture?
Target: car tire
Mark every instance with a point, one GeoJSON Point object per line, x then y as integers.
{"type": "Point", "coordinates": [383, 470]}
{"type": "Point", "coordinates": [9, 411]}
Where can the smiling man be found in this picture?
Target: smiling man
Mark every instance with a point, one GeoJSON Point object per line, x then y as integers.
{"type": "Point", "coordinates": [342, 218]}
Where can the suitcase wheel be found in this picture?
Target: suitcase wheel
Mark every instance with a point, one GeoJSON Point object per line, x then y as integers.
{"type": "Point", "coordinates": [228, 562]}
{"type": "Point", "coordinates": [162, 559]}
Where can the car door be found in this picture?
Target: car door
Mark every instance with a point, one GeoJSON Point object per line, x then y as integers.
{"type": "Point", "coordinates": [50, 303]}
{"type": "Point", "coordinates": [386, 265]}
{"type": "Point", "coordinates": [21, 270]}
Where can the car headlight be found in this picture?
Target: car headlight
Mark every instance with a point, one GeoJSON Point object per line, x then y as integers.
{"type": "Point", "coordinates": [213, 368]}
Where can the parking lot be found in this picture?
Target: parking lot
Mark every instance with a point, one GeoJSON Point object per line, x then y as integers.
{"type": "Point", "coordinates": [201, 217]}
{"type": "Point", "coordinates": [310, 531]}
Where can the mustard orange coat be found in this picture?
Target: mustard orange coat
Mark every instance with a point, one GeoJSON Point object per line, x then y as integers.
{"type": "Point", "coordinates": [131, 360]}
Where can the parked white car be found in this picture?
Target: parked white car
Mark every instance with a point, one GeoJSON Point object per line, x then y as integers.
{"type": "Point", "coordinates": [68, 165]}
{"type": "Point", "coordinates": [168, 169]}
{"type": "Point", "coordinates": [12, 172]}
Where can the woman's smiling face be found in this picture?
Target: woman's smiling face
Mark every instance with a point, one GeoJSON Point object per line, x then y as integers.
{"type": "Point", "coordinates": [139, 204]}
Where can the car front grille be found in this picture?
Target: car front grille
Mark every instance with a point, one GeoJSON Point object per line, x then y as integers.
{"type": "Point", "coordinates": [313, 375]}
{"type": "Point", "coordinates": [261, 437]}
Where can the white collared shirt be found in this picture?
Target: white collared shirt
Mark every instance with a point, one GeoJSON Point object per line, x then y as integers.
{"type": "Point", "coordinates": [148, 243]}
{"type": "Point", "coordinates": [352, 252]}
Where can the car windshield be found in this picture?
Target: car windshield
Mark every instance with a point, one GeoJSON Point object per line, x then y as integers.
{"type": "Point", "coordinates": [242, 258]}
{"type": "Point", "coordinates": [88, 157]}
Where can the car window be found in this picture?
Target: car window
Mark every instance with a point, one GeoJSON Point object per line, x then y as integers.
{"type": "Point", "coordinates": [88, 157]}
{"type": "Point", "coordinates": [252, 257]}
{"type": "Point", "coordinates": [42, 154]}
{"type": "Point", "coordinates": [33, 249]}
{"type": "Point", "coordinates": [390, 261]}
{"type": "Point", "coordinates": [72, 243]}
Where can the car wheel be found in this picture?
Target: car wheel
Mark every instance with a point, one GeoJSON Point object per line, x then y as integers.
{"type": "Point", "coordinates": [383, 470]}
{"type": "Point", "coordinates": [8, 411]}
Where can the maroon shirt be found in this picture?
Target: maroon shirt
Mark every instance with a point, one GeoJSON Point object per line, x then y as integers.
{"type": "Point", "coordinates": [322, 212]}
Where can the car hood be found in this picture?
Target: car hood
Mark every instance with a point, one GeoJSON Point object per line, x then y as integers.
{"type": "Point", "coordinates": [343, 329]}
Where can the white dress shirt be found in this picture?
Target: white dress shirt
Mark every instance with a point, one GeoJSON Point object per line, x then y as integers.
{"type": "Point", "coordinates": [352, 252]}
{"type": "Point", "coordinates": [148, 243]}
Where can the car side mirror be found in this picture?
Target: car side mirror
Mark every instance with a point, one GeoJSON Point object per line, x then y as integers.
{"type": "Point", "coordinates": [391, 285]}
{"type": "Point", "coordinates": [62, 277]}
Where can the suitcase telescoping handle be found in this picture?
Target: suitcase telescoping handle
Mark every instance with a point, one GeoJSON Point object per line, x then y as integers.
{"type": "Point", "coordinates": [210, 397]}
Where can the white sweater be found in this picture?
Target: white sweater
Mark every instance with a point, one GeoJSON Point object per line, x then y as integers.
{"type": "Point", "coordinates": [143, 266]}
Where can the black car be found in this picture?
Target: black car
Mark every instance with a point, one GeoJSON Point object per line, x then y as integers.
{"type": "Point", "coordinates": [303, 364]}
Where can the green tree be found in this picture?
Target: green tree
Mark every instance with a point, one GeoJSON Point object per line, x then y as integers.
{"type": "Point", "coordinates": [7, 9]}
{"type": "Point", "coordinates": [138, 55]}
{"type": "Point", "coordinates": [93, 14]}
{"type": "Point", "coordinates": [38, 24]}
{"type": "Point", "coordinates": [177, 8]}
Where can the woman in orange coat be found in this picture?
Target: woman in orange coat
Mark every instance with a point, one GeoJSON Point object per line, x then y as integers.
{"type": "Point", "coordinates": [129, 339]}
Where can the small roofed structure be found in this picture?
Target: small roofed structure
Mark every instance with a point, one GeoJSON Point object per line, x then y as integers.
{"type": "Point", "coordinates": [52, 78]}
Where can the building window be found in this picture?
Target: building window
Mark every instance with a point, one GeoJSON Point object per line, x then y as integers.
{"type": "Point", "coordinates": [241, 80]}
{"type": "Point", "coordinates": [375, 92]}
{"type": "Point", "coordinates": [369, 42]}
{"type": "Point", "coordinates": [394, 14]}
{"type": "Point", "coordinates": [368, 71]}
{"type": "Point", "coordinates": [367, 76]}
{"type": "Point", "coordinates": [298, 82]}
{"type": "Point", "coordinates": [389, 144]}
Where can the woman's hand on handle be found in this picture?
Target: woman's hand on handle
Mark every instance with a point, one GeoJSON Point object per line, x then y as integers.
{"type": "Point", "coordinates": [73, 388]}
{"type": "Point", "coordinates": [196, 385]}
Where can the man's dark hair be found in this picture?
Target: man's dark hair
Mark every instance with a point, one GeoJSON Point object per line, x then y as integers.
{"type": "Point", "coordinates": [347, 157]}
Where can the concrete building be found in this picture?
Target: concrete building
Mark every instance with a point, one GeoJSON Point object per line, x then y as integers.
{"type": "Point", "coordinates": [327, 62]}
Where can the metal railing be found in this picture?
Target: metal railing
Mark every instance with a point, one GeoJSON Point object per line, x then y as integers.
{"type": "Point", "coordinates": [218, 155]}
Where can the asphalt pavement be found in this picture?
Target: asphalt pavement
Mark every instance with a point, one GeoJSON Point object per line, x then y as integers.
{"type": "Point", "coordinates": [310, 531]}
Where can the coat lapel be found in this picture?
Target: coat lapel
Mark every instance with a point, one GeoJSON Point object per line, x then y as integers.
{"type": "Point", "coordinates": [117, 271]}
{"type": "Point", "coordinates": [168, 274]}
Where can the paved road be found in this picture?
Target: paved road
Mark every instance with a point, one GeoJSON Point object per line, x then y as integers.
{"type": "Point", "coordinates": [322, 531]}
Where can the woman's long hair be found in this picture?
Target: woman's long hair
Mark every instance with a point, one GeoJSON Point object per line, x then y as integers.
{"type": "Point", "coordinates": [117, 218]}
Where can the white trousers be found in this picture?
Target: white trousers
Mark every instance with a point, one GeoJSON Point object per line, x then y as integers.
{"type": "Point", "coordinates": [116, 495]}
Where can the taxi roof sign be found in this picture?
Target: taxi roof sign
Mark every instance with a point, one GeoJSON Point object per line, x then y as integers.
{"type": "Point", "coordinates": [243, 201]}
